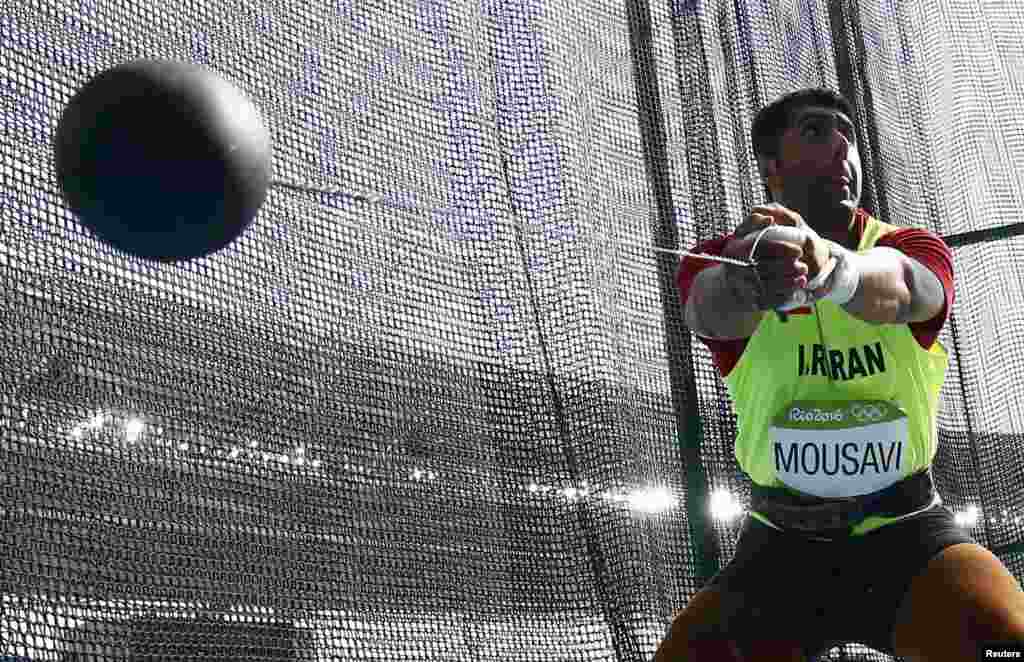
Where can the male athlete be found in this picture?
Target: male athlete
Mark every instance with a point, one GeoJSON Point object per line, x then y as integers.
{"type": "Point", "coordinates": [828, 347]}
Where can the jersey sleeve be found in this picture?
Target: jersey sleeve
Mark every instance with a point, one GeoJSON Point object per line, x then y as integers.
{"type": "Point", "coordinates": [931, 251]}
{"type": "Point", "coordinates": [724, 353]}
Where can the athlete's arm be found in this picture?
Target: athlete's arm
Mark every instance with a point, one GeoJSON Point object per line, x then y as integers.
{"type": "Point", "coordinates": [895, 289]}
{"type": "Point", "coordinates": [710, 308]}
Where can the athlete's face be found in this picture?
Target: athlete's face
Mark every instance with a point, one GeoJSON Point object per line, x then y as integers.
{"type": "Point", "coordinates": [818, 168]}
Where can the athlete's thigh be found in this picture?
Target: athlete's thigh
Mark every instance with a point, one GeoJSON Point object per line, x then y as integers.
{"type": "Point", "coordinates": [750, 603]}
{"type": "Point", "coordinates": [883, 564]}
{"type": "Point", "coordinates": [779, 587]}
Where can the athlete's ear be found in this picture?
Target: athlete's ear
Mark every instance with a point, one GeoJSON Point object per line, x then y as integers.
{"type": "Point", "coordinates": [769, 168]}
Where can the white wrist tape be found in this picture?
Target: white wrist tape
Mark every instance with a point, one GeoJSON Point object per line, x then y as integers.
{"type": "Point", "coordinates": [845, 276]}
{"type": "Point", "coordinates": [822, 277]}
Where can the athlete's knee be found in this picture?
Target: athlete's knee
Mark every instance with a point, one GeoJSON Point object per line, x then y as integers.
{"type": "Point", "coordinates": [696, 633]}
{"type": "Point", "coordinates": [679, 647]}
{"type": "Point", "coordinates": [704, 632]}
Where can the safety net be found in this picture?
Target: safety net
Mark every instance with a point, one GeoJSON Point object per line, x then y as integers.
{"type": "Point", "coordinates": [438, 402]}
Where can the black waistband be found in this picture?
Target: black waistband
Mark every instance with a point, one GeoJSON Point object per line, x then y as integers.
{"type": "Point", "coordinates": [836, 517]}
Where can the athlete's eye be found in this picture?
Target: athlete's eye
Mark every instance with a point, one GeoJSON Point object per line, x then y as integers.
{"type": "Point", "coordinates": [812, 130]}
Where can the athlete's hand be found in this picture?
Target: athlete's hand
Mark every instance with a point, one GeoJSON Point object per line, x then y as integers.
{"type": "Point", "coordinates": [780, 273]}
{"type": "Point", "coordinates": [816, 250]}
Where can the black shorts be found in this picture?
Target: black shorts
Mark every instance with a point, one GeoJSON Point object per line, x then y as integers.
{"type": "Point", "coordinates": [785, 587]}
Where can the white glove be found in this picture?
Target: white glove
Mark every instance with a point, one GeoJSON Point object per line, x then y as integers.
{"type": "Point", "coordinates": [799, 236]}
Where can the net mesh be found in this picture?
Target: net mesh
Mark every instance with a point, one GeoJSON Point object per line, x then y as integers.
{"type": "Point", "coordinates": [437, 402]}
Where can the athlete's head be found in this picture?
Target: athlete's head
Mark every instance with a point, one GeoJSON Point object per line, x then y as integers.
{"type": "Point", "coordinates": [806, 149]}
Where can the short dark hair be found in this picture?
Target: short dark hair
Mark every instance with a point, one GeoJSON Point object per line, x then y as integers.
{"type": "Point", "coordinates": [772, 120]}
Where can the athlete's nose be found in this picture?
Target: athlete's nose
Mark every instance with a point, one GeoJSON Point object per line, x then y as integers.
{"type": "Point", "coordinates": [840, 145]}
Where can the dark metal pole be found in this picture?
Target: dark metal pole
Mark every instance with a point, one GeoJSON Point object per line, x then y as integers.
{"type": "Point", "coordinates": [677, 337]}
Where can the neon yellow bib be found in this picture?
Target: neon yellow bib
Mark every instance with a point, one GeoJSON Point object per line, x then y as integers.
{"type": "Point", "coordinates": [830, 406]}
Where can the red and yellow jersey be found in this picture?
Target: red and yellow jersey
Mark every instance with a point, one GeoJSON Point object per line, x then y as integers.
{"type": "Point", "coordinates": [828, 405]}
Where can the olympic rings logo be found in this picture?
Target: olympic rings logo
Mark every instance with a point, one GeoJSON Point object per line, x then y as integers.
{"type": "Point", "coordinates": [868, 412]}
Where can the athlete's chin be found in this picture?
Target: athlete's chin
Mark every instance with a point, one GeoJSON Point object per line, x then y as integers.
{"type": "Point", "coordinates": [844, 198]}
{"type": "Point", "coordinates": [835, 206]}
